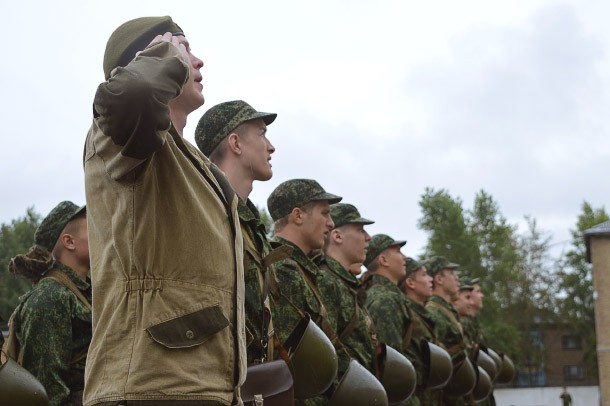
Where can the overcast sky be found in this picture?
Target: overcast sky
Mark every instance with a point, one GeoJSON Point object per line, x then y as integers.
{"type": "Point", "coordinates": [376, 100]}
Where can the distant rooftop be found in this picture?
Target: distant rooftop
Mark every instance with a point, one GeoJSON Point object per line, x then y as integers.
{"type": "Point", "coordinates": [600, 229]}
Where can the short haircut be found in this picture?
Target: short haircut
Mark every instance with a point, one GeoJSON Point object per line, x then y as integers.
{"type": "Point", "coordinates": [280, 223]}
{"type": "Point", "coordinates": [219, 153]}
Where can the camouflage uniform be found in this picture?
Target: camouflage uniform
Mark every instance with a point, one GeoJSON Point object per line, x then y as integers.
{"type": "Point", "coordinates": [295, 286]}
{"type": "Point", "coordinates": [392, 317]}
{"type": "Point", "coordinates": [254, 230]}
{"type": "Point", "coordinates": [348, 316]}
{"type": "Point", "coordinates": [448, 331]}
{"type": "Point", "coordinates": [53, 329]}
{"type": "Point", "coordinates": [423, 330]}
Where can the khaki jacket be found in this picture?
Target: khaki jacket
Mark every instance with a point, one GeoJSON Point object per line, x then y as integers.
{"type": "Point", "coordinates": [166, 248]}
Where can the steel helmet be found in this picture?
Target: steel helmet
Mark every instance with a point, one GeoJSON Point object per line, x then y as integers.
{"type": "Point", "coordinates": [358, 387]}
{"type": "Point", "coordinates": [487, 363]}
{"type": "Point", "coordinates": [497, 359]}
{"type": "Point", "coordinates": [507, 371]}
{"type": "Point", "coordinates": [398, 375]}
{"type": "Point", "coordinates": [483, 387]}
{"type": "Point", "coordinates": [437, 366]}
{"type": "Point", "coordinates": [464, 377]}
{"type": "Point", "coordinates": [313, 360]}
{"type": "Point", "coordinates": [19, 387]}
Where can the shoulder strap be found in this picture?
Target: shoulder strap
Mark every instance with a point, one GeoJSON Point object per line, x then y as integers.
{"type": "Point", "coordinates": [11, 346]}
{"type": "Point", "coordinates": [449, 314]}
{"type": "Point", "coordinates": [64, 280]}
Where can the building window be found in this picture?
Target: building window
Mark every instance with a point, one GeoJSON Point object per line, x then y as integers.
{"type": "Point", "coordinates": [571, 342]}
{"type": "Point", "coordinates": [573, 373]}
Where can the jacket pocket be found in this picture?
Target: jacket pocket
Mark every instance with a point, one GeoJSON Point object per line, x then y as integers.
{"type": "Point", "coordinates": [191, 329]}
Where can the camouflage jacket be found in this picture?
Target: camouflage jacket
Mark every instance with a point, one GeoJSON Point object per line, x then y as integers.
{"type": "Point", "coordinates": [472, 331]}
{"type": "Point", "coordinates": [53, 327]}
{"type": "Point", "coordinates": [295, 279]}
{"type": "Point", "coordinates": [447, 326]}
{"type": "Point", "coordinates": [391, 315]}
{"type": "Point", "coordinates": [254, 231]}
{"type": "Point", "coordinates": [346, 311]}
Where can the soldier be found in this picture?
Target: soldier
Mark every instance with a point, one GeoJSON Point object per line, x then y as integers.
{"type": "Point", "coordinates": [346, 245]}
{"type": "Point", "coordinates": [472, 328]}
{"type": "Point", "coordinates": [234, 136]}
{"type": "Point", "coordinates": [166, 247]}
{"type": "Point", "coordinates": [300, 209]}
{"type": "Point", "coordinates": [446, 319]}
{"type": "Point", "coordinates": [463, 303]}
{"type": "Point", "coordinates": [50, 330]}
{"type": "Point", "coordinates": [417, 286]}
{"type": "Point", "coordinates": [385, 302]}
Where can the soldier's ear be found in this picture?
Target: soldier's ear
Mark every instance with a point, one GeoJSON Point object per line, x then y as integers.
{"type": "Point", "coordinates": [383, 260]}
{"type": "Point", "coordinates": [296, 216]}
{"type": "Point", "coordinates": [336, 236]}
{"type": "Point", "coordinates": [233, 143]}
{"type": "Point", "coordinates": [67, 241]}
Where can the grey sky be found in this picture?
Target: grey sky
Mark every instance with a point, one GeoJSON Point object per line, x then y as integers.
{"type": "Point", "coordinates": [375, 100]}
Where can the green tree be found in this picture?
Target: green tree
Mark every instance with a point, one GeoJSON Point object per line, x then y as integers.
{"type": "Point", "coordinates": [577, 303]}
{"type": "Point", "coordinates": [448, 234]}
{"type": "Point", "coordinates": [15, 238]}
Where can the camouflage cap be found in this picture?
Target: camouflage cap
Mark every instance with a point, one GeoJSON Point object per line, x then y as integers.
{"type": "Point", "coordinates": [345, 213]}
{"type": "Point", "coordinates": [50, 228]}
{"type": "Point", "coordinates": [223, 118]}
{"type": "Point", "coordinates": [296, 193]}
{"type": "Point", "coordinates": [412, 265]}
{"type": "Point", "coordinates": [466, 284]}
{"type": "Point", "coordinates": [469, 281]}
{"type": "Point", "coordinates": [134, 36]}
{"type": "Point", "coordinates": [437, 264]}
{"type": "Point", "coordinates": [378, 244]}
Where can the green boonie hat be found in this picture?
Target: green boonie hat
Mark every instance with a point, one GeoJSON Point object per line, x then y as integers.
{"type": "Point", "coordinates": [345, 213]}
{"type": "Point", "coordinates": [134, 36]}
{"type": "Point", "coordinates": [223, 118]}
{"type": "Point", "coordinates": [296, 193]}
{"type": "Point", "coordinates": [412, 265]}
{"type": "Point", "coordinates": [50, 229]}
{"type": "Point", "coordinates": [437, 264]}
{"type": "Point", "coordinates": [378, 244]}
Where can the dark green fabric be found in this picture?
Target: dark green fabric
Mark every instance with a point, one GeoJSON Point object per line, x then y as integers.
{"type": "Point", "coordinates": [221, 119]}
{"type": "Point", "coordinates": [296, 193]}
{"type": "Point", "coordinates": [339, 290]}
{"type": "Point", "coordinates": [52, 325]}
{"type": "Point", "coordinates": [344, 213]}
{"type": "Point", "coordinates": [251, 223]}
{"type": "Point", "coordinates": [378, 244]}
{"type": "Point", "coordinates": [134, 36]}
{"type": "Point", "coordinates": [52, 225]}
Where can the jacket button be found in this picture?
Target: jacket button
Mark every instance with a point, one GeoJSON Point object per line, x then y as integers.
{"type": "Point", "coordinates": [189, 334]}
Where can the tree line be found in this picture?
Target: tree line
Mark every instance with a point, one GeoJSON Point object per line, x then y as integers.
{"type": "Point", "coordinates": [526, 288]}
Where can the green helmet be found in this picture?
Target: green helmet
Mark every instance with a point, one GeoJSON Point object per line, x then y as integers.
{"type": "Point", "coordinates": [19, 387]}
{"type": "Point", "coordinates": [313, 360]}
{"type": "Point", "coordinates": [507, 371]}
{"type": "Point", "coordinates": [497, 360]}
{"type": "Point", "coordinates": [437, 366]}
{"type": "Point", "coordinates": [398, 375]}
{"type": "Point", "coordinates": [464, 377]}
{"type": "Point", "coordinates": [487, 363]}
{"type": "Point", "coordinates": [358, 387]}
{"type": "Point", "coordinates": [483, 387]}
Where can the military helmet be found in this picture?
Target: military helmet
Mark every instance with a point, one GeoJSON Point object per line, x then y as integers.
{"type": "Point", "coordinates": [507, 371]}
{"type": "Point", "coordinates": [497, 360]}
{"type": "Point", "coordinates": [398, 375]}
{"type": "Point", "coordinates": [19, 387]}
{"type": "Point", "coordinates": [487, 363]}
{"type": "Point", "coordinates": [483, 387]}
{"type": "Point", "coordinates": [437, 366]}
{"type": "Point", "coordinates": [313, 360]}
{"type": "Point", "coordinates": [358, 387]}
{"type": "Point", "coordinates": [464, 377]}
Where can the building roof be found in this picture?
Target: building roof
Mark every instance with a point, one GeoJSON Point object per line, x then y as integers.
{"type": "Point", "coordinates": [598, 230]}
